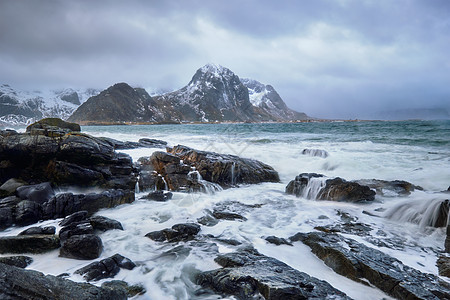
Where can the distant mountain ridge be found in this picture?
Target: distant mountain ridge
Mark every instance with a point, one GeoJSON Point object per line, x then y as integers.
{"type": "Point", "coordinates": [214, 94]}
{"type": "Point", "coordinates": [24, 107]}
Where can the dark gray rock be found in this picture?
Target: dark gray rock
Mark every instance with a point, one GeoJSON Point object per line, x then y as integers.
{"type": "Point", "coordinates": [178, 232]}
{"type": "Point", "coordinates": [277, 241]}
{"type": "Point", "coordinates": [76, 228]}
{"type": "Point", "coordinates": [38, 193]}
{"type": "Point", "coordinates": [28, 243]}
{"type": "Point", "coordinates": [386, 188]}
{"type": "Point", "coordinates": [75, 217]}
{"type": "Point", "coordinates": [131, 290]}
{"type": "Point", "coordinates": [315, 152]}
{"type": "Point", "coordinates": [103, 223]}
{"type": "Point", "coordinates": [16, 283]}
{"type": "Point", "coordinates": [160, 196]}
{"type": "Point", "coordinates": [16, 261]}
{"type": "Point", "coordinates": [8, 211]}
{"type": "Point", "coordinates": [152, 143]}
{"type": "Point", "coordinates": [27, 212]}
{"type": "Point", "coordinates": [86, 246]}
{"type": "Point", "coordinates": [48, 125]}
{"type": "Point", "coordinates": [10, 186]}
{"type": "Point", "coordinates": [39, 230]}
{"type": "Point", "coordinates": [105, 268]}
{"type": "Point", "coordinates": [359, 263]}
{"type": "Point", "coordinates": [335, 189]}
{"type": "Point", "coordinates": [248, 274]}
{"type": "Point", "coordinates": [443, 264]}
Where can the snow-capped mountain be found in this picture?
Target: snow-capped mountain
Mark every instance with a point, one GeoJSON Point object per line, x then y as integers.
{"type": "Point", "coordinates": [23, 107]}
{"type": "Point", "coordinates": [268, 103]}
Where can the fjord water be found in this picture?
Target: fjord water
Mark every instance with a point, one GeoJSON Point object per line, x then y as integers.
{"type": "Point", "coordinates": [415, 151]}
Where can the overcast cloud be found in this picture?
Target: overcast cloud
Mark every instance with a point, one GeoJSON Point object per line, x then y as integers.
{"type": "Point", "coordinates": [328, 58]}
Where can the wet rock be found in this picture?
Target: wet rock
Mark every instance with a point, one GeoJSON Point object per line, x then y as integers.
{"type": "Point", "coordinates": [152, 143]}
{"type": "Point", "coordinates": [76, 228]}
{"type": "Point", "coordinates": [16, 261]}
{"type": "Point", "coordinates": [39, 230]}
{"type": "Point", "coordinates": [86, 246]}
{"type": "Point", "coordinates": [232, 210]}
{"type": "Point", "coordinates": [443, 264]}
{"type": "Point", "coordinates": [16, 283]}
{"type": "Point", "coordinates": [442, 214]}
{"type": "Point", "coordinates": [105, 268]}
{"type": "Point", "coordinates": [75, 217]}
{"type": "Point", "coordinates": [315, 152]}
{"type": "Point", "coordinates": [27, 212]}
{"type": "Point", "coordinates": [28, 243]}
{"type": "Point", "coordinates": [8, 211]}
{"type": "Point", "coordinates": [248, 274]}
{"type": "Point", "coordinates": [104, 224]}
{"type": "Point", "coordinates": [224, 215]}
{"type": "Point", "coordinates": [159, 196]}
{"type": "Point", "coordinates": [131, 290]}
{"type": "Point", "coordinates": [360, 263]}
{"type": "Point", "coordinates": [65, 159]}
{"type": "Point", "coordinates": [390, 188]}
{"type": "Point", "coordinates": [447, 240]}
{"type": "Point", "coordinates": [223, 169]}
{"type": "Point", "coordinates": [336, 189]}
{"type": "Point", "coordinates": [52, 127]}
{"type": "Point", "coordinates": [10, 186]}
{"type": "Point", "coordinates": [208, 220]}
{"type": "Point", "coordinates": [178, 232]}
{"type": "Point", "coordinates": [277, 241]}
{"type": "Point", "coordinates": [358, 228]}
{"type": "Point", "coordinates": [38, 193]}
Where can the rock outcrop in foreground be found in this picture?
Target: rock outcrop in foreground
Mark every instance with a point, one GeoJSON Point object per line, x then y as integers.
{"type": "Point", "coordinates": [248, 274]}
{"type": "Point", "coordinates": [360, 263]}
{"type": "Point", "coordinates": [16, 283]}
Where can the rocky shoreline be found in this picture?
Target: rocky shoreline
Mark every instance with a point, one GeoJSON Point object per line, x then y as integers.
{"type": "Point", "coordinates": [53, 156]}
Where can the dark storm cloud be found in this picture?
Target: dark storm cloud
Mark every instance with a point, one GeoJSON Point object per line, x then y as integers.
{"type": "Point", "coordinates": [342, 58]}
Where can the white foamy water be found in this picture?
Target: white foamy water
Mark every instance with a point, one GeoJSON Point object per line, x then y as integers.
{"type": "Point", "coordinates": [356, 151]}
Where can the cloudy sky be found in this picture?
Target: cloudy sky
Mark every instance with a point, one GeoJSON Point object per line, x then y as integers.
{"type": "Point", "coordinates": [328, 58]}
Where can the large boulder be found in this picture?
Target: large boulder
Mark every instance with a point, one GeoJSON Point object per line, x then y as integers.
{"type": "Point", "coordinates": [247, 274]}
{"type": "Point", "coordinates": [10, 186]}
{"type": "Point", "coordinates": [85, 246]}
{"type": "Point", "coordinates": [361, 263]}
{"type": "Point", "coordinates": [51, 126]}
{"type": "Point", "coordinates": [319, 187]}
{"type": "Point", "coordinates": [178, 232]}
{"type": "Point", "coordinates": [16, 283]}
{"type": "Point", "coordinates": [39, 193]}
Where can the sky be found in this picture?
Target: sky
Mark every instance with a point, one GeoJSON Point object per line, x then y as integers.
{"type": "Point", "coordinates": [327, 58]}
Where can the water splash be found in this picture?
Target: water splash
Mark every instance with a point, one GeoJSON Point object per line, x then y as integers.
{"type": "Point", "coordinates": [136, 187]}
{"type": "Point", "coordinates": [433, 213]}
{"type": "Point", "coordinates": [233, 175]}
{"type": "Point", "coordinates": [314, 187]}
{"type": "Point", "coordinates": [207, 187]}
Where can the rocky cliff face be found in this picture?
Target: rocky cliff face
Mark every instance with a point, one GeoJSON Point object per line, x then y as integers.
{"type": "Point", "coordinates": [23, 107]}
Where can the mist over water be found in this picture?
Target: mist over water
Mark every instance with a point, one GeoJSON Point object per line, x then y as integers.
{"type": "Point", "coordinates": [415, 151]}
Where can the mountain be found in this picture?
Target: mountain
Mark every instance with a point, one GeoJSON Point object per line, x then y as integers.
{"type": "Point", "coordinates": [268, 103]}
{"type": "Point", "coordinates": [214, 94]}
{"type": "Point", "coordinates": [24, 107]}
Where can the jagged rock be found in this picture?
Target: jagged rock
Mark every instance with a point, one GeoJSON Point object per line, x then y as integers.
{"type": "Point", "coordinates": [443, 264]}
{"type": "Point", "coordinates": [447, 240]}
{"type": "Point", "coordinates": [103, 223]}
{"type": "Point", "coordinates": [442, 215]}
{"type": "Point", "coordinates": [277, 241]}
{"type": "Point", "coordinates": [131, 290]}
{"type": "Point", "coordinates": [86, 246]}
{"type": "Point", "coordinates": [39, 230]}
{"type": "Point", "coordinates": [38, 193]}
{"type": "Point", "coordinates": [208, 220]}
{"type": "Point", "coordinates": [8, 211]}
{"type": "Point", "coordinates": [178, 232]}
{"type": "Point", "coordinates": [315, 186]}
{"type": "Point", "coordinates": [10, 186]}
{"type": "Point", "coordinates": [159, 196]}
{"type": "Point", "coordinates": [224, 169]}
{"type": "Point", "coordinates": [248, 274]}
{"type": "Point", "coordinates": [28, 243]}
{"type": "Point", "coordinates": [75, 217]}
{"type": "Point", "coordinates": [390, 188]}
{"type": "Point", "coordinates": [315, 152]}
{"type": "Point", "coordinates": [358, 228]}
{"type": "Point", "coordinates": [152, 143]}
{"type": "Point", "coordinates": [232, 210]}
{"type": "Point", "coordinates": [359, 263]}
{"type": "Point", "coordinates": [16, 283]}
{"type": "Point", "coordinates": [105, 268]}
{"type": "Point", "coordinates": [224, 215]}
{"type": "Point", "coordinates": [74, 159]}
{"type": "Point", "coordinates": [17, 261]}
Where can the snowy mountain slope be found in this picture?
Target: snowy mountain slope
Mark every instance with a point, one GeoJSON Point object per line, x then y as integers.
{"type": "Point", "coordinates": [23, 107]}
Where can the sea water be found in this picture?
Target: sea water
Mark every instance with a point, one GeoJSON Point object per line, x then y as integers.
{"type": "Point", "coordinates": [415, 151]}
